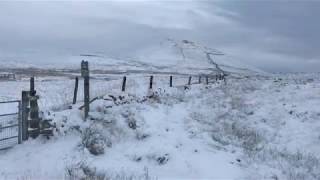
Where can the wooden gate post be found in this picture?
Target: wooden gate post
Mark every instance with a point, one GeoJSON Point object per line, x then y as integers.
{"type": "Point", "coordinates": [32, 91]}
{"type": "Point", "coordinates": [189, 82]}
{"type": "Point", "coordinates": [85, 75]}
{"type": "Point", "coordinates": [75, 92]}
{"type": "Point", "coordinates": [24, 115]}
{"type": "Point", "coordinates": [170, 81]}
{"type": "Point", "coordinates": [34, 122]}
{"type": "Point", "coordinates": [124, 81]}
{"type": "Point", "coordinates": [19, 124]}
{"type": "Point", "coordinates": [151, 82]}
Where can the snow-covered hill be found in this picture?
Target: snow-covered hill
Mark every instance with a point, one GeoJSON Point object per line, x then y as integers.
{"type": "Point", "coordinates": [178, 57]}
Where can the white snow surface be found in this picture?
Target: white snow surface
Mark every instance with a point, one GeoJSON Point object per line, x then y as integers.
{"type": "Point", "coordinates": [249, 128]}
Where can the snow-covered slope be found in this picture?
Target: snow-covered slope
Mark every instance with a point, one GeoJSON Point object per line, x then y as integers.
{"type": "Point", "coordinates": [165, 57]}
{"type": "Point", "coordinates": [182, 55]}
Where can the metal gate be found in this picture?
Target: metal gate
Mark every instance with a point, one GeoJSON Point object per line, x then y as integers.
{"type": "Point", "coordinates": [10, 124]}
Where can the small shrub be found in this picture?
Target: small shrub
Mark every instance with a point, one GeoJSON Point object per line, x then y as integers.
{"type": "Point", "coordinates": [94, 141]}
{"type": "Point", "coordinates": [163, 159]}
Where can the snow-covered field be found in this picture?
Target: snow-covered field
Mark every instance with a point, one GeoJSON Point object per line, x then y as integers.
{"type": "Point", "coordinates": [249, 128]}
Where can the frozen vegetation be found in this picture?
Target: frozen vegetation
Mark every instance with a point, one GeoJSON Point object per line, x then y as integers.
{"type": "Point", "coordinates": [249, 128]}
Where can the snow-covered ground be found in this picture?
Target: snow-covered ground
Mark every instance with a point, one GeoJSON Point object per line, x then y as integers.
{"type": "Point", "coordinates": [249, 128]}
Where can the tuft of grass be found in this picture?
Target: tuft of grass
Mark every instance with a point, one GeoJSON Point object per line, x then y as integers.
{"type": "Point", "coordinates": [293, 166]}
{"type": "Point", "coordinates": [82, 171]}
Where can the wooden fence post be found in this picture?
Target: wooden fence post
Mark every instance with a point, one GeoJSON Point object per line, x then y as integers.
{"type": "Point", "coordinates": [124, 83]}
{"type": "Point", "coordinates": [199, 79]}
{"type": "Point", "coordinates": [24, 115]}
{"type": "Point", "coordinates": [170, 81]}
{"type": "Point", "coordinates": [207, 80]}
{"type": "Point", "coordinates": [189, 82]}
{"type": "Point", "coordinates": [86, 76]}
{"type": "Point", "coordinates": [75, 93]}
{"type": "Point", "coordinates": [86, 96]}
{"type": "Point", "coordinates": [151, 82]}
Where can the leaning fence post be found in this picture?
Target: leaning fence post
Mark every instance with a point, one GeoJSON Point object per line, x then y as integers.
{"type": "Point", "coordinates": [151, 82]}
{"type": "Point", "coordinates": [85, 75]}
{"type": "Point", "coordinates": [170, 81]}
{"type": "Point", "coordinates": [189, 82]}
{"type": "Point", "coordinates": [75, 93]}
{"type": "Point", "coordinates": [24, 115]}
{"type": "Point", "coordinates": [124, 81]}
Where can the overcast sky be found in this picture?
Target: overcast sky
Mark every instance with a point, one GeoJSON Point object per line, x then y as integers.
{"type": "Point", "coordinates": [272, 35]}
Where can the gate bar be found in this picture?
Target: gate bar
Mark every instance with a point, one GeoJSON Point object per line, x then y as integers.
{"type": "Point", "coordinates": [11, 137]}
{"type": "Point", "coordinates": [5, 127]}
{"type": "Point", "coordinates": [10, 114]}
{"type": "Point", "coordinates": [13, 101]}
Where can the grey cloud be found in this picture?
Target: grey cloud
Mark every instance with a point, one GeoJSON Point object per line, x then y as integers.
{"type": "Point", "coordinates": [294, 23]}
{"type": "Point", "coordinates": [265, 34]}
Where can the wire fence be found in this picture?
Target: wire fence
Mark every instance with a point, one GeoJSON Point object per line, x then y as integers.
{"type": "Point", "coordinates": [58, 94]}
